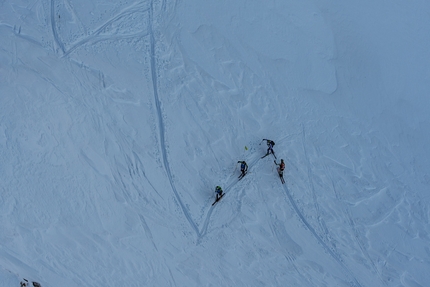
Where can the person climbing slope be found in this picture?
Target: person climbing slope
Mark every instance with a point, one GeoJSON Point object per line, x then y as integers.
{"type": "Point", "coordinates": [218, 192]}
{"type": "Point", "coordinates": [270, 145]}
{"type": "Point", "coordinates": [281, 167]}
{"type": "Point", "coordinates": [243, 168]}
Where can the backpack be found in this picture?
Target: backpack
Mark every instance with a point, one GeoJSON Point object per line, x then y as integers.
{"type": "Point", "coordinates": [282, 166]}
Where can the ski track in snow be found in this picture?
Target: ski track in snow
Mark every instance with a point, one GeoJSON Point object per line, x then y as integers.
{"type": "Point", "coordinates": [133, 190]}
{"type": "Point", "coordinates": [161, 128]}
{"type": "Point", "coordinates": [235, 181]}
{"type": "Point", "coordinates": [321, 222]}
{"type": "Point", "coordinates": [322, 241]}
{"type": "Point", "coordinates": [284, 240]}
{"type": "Point", "coordinates": [97, 37]}
{"type": "Point", "coordinates": [288, 246]}
{"type": "Point", "coordinates": [336, 257]}
{"type": "Point", "coordinates": [282, 235]}
{"type": "Point", "coordinates": [54, 28]}
{"type": "Point", "coordinates": [147, 231]}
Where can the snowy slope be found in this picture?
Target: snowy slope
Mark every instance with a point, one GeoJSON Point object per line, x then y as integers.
{"type": "Point", "coordinates": [119, 118]}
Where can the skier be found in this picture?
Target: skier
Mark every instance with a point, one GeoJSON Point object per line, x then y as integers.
{"type": "Point", "coordinates": [243, 168]}
{"type": "Point", "coordinates": [26, 283]}
{"type": "Point", "coordinates": [218, 191]}
{"type": "Point", "coordinates": [270, 145]}
{"type": "Point", "coordinates": [281, 167]}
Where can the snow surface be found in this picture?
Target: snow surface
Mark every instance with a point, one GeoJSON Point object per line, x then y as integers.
{"type": "Point", "coordinates": [119, 118]}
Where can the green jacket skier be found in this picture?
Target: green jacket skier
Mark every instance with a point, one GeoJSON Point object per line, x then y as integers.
{"type": "Point", "coordinates": [218, 192]}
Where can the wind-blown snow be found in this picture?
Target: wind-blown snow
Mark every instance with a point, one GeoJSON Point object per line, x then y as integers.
{"type": "Point", "coordinates": [119, 118]}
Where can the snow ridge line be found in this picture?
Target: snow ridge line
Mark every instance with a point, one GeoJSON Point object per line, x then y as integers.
{"type": "Point", "coordinates": [319, 239]}
{"type": "Point", "coordinates": [161, 125]}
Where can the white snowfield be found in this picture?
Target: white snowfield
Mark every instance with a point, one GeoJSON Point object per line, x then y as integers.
{"type": "Point", "coordinates": [119, 118]}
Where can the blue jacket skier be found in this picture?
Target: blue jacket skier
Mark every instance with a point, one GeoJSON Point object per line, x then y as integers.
{"type": "Point", "coordinates": [243, 167]}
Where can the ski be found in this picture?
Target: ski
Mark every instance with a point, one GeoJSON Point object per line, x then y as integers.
{"type": "Point", "coordinates": [242, 175]}
{"type": "Point", "coordinates": [282, 179]}
{"type": "Point", "coordinates": [268, 154]}
{"type": "Point", "coordinates": [216, 200]}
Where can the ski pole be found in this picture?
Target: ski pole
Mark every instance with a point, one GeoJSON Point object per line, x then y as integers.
{"type": "Point", "coordinates": [235, 168]}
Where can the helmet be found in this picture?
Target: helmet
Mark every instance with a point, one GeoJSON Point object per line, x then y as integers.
{"type": "Point", "coordinates": [282, 160]}
{"type": "Point", "coordinates": [218, 187]}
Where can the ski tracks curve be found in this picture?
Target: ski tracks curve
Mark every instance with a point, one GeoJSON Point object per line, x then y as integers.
{"type": "Point", "coordinates": [354, 282]}
{"type": "Point", "coordinates": [54, 28]}
{"type": "Point", "coordinates": [161, 125]}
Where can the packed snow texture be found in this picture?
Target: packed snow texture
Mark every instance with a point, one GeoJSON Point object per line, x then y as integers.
{"type": "Point", "coordinates": [119, 118]}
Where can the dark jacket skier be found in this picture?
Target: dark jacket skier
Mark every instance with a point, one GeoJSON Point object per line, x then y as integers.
{"type": "Point", "coordinates": [270, 145]}
{"type": "Point", "coordinates": [243, 167]}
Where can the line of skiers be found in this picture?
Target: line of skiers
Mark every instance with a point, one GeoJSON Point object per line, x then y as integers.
{"type": "Point", "coordinates": [244, 167]}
